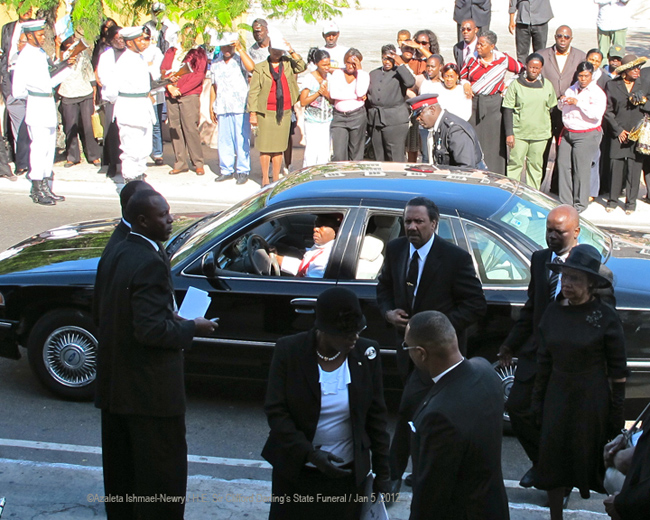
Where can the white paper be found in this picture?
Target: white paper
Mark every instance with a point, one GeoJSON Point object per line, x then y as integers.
{"type": "Point", "coordinates": [195, 304]}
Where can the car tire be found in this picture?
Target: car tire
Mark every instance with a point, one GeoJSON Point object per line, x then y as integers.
{"type": "Point", "coordinates": [62, 351]}
{"type": "Point", "coordinates": [507, 377]}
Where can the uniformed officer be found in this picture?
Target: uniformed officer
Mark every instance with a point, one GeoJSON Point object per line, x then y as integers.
{"type": "Point", "coordinates": [33, 82]}
{"type": "Point", "coordinates": [452, 141]}
{"type": "Point", "coordinates": [134, 111]}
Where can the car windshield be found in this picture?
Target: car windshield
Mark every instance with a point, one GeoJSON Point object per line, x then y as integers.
{"type": "Point", "coordinates": [527, 214]}
{"type": "Point", "coordinates": [213, 227]}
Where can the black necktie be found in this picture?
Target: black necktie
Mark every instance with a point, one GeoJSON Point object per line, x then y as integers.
{"type": "Point", "coordinates": [412, 278]}
{"type": "Point", "coordinates": [554, 279]}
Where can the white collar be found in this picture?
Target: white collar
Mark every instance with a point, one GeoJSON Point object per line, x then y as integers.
{"type": "Point", "coordinates": [442, 114]}
{"type": "Point", "coordinates": [563, 257]}
{"type": "Point", "coordinates": [423, 252]}
{"type": "Point", "coordinates": [126, 223]}
{"type": "Point", "coordinates": [152, 242]}
{"type": "Point", "coordinates": [440, 376]}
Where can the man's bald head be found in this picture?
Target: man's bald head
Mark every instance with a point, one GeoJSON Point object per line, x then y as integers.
{"type": "Point", "coordinates": [433, 341]}
{"type": "Point", "coordinates": [130, 188]}
{"type": "Point", "coordinates": [562, 229]}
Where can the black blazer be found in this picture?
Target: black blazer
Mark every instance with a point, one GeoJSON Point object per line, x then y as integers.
{"type": "Point", "coordinates": [140, 355]}
{"type": "Point", "coordinates": [292, 407]}
{"type": "Point", "coordinates": [455, 143]}
{"type": "Point", "coordinates": [478, 10]}
{"type": "Point", "coordinates": [387, 96]}
{"type": "Point", "coordinates": [551, 71]}
{"type": "Point", "coordinates": [521, 339]}
{"type": "Point", "coordinates": [456, 447]}
{"type": "Point", "coordinates": [121, 232]}
{"type": "Point", "coordinates": [458, 53]}
{"type": "Point", "coordinates": [623, 115]}
{"type": "Point", "coordinates": [633, 502]}
{"type": "Point", "coordinates": [448, 284]}
{"type": "Point", "coordinates": [5, 76]}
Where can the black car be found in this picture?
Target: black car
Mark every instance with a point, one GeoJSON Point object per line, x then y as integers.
{"type": "Point", "coordinates": [46, 282]}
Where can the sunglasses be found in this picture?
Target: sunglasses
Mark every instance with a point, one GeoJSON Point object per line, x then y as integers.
{"type": "Point", "coordinates": [563, 37]}
{"type": "Point", "coordinates": [406, 347]}
{"type": "Point", "coordinates": [466, 29]}
{"type": "Point", "coordinates": [423, 42]}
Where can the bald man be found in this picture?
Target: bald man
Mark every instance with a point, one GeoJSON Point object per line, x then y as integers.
{"type": "Point", "coordinates": [457, 430]}
{"type": "Point", "coordinates": [562, 231]}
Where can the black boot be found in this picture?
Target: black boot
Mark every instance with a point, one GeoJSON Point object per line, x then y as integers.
{"type": "Point", "coordinates": [38, 196]}
{"type": "Point", "coordinates": [46, 188]}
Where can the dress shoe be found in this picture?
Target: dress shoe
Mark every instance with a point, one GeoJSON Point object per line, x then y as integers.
{"type": "Point", "coordinates": [242, 178]}
{"type": "Point", "coordinates": [200, 171]}
{"type": "Point", "coordinates": [9, 176]}
{"type": "Point", "coordinates": [221, 178]}
{"type": "Point", "coordinates": [38, 196]}
{"type": "Point", "coordinates": [408, 481]}
{"type": "Point", "coordinates": [70, 164]}
{"type": "Point", "coordinates": [629, 211]}
{"type": "Point", "coordinates": [22, 171]}
{"type": "Point", "coordinates": [567, 496]}
{"type": "Point", "coordinates": [158, 161]}
{"type": "Point", "coordinates": [46, 188]}
{"type": "Point", "coordinates": [528, 480]}
{"type": "Point", "coordinates": [97, 162]}
{"type": "Point", "coordinates": [176, 172]}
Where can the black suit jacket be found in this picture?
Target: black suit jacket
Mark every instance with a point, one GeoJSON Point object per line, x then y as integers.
{"type": "Point", "coordinates": [448, 284]}
{"type": "Point", "coordinates": [292, 406]}
{"type": "Point", "coordinates": [521, 339]}
{"type": "Point", "coordinates": [456, 447]}
{"type": "Point", "coordinates": [455, 143]}
{"type": "Point", "coordinates": [5, 77]}
{"type": "Point", "coordinates": [458, 53]}
{"type": "Point", "coordinates": [121, 232]}
{"type": "Point", "coordinates": [387, 96]}
{"type": "Point", "coordinates": [478, 10]}
{"type": "Point", "coordinates": [140, 355]}
{"type": "Point", "coordinates": [551, 71]}
{"type": "Point", "coordinates": [633, 502]}
{"type": "Point", "coordinates": [623, 115]}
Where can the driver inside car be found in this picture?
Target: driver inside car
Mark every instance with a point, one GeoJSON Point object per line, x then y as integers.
{"type": "Point", "coordinates": [314, 261]}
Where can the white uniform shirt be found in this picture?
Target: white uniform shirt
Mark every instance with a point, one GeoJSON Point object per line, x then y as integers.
{"type": "Point", "coordinates": [154, 57]}
{"type": "Point", "coordinates": [613, 15]}
{"type": "Point", "coordinates": [32, 74]}
{"type": "Point", "coordinates": [106, 69]}
{"type": "Point", "coordinates": [131, 77]}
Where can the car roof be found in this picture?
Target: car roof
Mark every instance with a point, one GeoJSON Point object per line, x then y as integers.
{"type": "Point", "coordinates": [393, 184]}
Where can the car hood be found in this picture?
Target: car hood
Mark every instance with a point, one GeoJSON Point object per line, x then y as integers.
{"type": "Point", "coordinates": [75, 247]}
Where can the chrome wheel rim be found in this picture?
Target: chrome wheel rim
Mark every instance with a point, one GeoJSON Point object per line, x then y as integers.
{"type": "Point", "coordinates": [70, 356]}
{"type": "Point", "coordinates": [507, 376]}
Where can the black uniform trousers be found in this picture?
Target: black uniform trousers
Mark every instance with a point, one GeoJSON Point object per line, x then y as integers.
{"type": "Point", "coordinates": [112, 150]}
{"type": "Point", "coordinates": [144, 456]}
{"type": "Point", "coordinates": [526, 34]}
{"type": "Point", "coordinates": [76, 114]}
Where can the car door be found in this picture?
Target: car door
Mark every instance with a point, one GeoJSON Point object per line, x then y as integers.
{"type": "Point", "coordinates": [255, 310]}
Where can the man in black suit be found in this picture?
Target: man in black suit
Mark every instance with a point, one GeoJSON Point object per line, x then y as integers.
{"type": "Point", "coordinates": [423, 272]}
{"type": "Point", "coordinates": [457, 431]}
{"type": "Point", "coordinates": [562, 230]}
{"type": "Point", "coordinates": [478, 10]}
{"type": "Point", "coordinates": [11, 45]}
{"type": "Point", "coordinates": [123, 229]}
{"type": "Point", "coordinates": [451, 141]}
{"type": "Point", "coordinates": [466, 47]}
{"type": "Point", "coordinates": [560, 63]}
{"type": "Point", "coordinates": [140, 380]}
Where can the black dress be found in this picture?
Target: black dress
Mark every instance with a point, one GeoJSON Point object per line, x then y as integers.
{"type": "Point", "coordinates": [580, 347]}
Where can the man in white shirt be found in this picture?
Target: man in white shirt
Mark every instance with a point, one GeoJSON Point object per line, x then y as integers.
{"type": "Point", "coordinates": [133, 107]}
{"type": "Point", "coordinates": [32, 81]}
{"type": "Point", "coordinates": [337, 52]}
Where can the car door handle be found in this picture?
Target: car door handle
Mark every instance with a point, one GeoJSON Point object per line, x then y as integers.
{"type": "Point", "coordinates": [304, 305]}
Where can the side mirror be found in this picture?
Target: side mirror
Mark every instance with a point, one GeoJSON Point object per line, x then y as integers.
{"type": "Point", "coordinates": [208, 265]}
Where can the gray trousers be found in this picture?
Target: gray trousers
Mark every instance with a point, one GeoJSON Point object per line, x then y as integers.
{"type": "Point", "coordinates": [389, 142]}
{"type": "Point", "coordinates": [574, 167]}
{"type": "Point", "coordinates": [184, 113]}
{"type": "Point", "coordinates": [348, 131]}
{"type": "Point", "coordinates": [16, 109]}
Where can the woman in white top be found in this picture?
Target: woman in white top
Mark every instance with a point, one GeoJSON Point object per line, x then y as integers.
{"type": "Point", "coordinates": [456, 95]}
{"type": "Point", "coordinates": [348, 89]}
{"type": "Point", "coordinates": [315, 97]}
{"type": "Point", "coordinates": [326, 411]}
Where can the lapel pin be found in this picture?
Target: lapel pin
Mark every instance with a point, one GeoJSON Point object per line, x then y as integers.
{"type": "Point", "coordinates": [371, 353]}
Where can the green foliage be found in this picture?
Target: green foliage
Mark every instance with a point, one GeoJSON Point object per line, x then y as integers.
{"type": "Point", "coordinates": [309, 10]}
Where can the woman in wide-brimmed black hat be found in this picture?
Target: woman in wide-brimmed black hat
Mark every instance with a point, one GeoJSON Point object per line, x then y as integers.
{"type": "Point", "coordinates": [580, 386]}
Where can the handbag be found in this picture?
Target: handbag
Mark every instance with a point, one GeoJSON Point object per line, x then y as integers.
{"type": "Point", "coordinates": [614, 479]}
{"type": "Point", "coordinates": [98, 131]}
{"type": "Point", "coordinates": [641, 134]}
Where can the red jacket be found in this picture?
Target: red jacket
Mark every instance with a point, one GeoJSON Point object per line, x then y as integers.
{"type": "Point", "coordinates": [191, 83]}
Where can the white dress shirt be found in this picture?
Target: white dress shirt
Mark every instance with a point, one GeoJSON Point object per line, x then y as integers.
{"type": "Point", "coordinates": [423, 252]}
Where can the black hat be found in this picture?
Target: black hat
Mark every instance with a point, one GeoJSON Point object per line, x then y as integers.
{"type": "Point", "coordinates": [332, 220]}
{"type": "Point", "coordinates": [585, 258]}
{"type": "Point", "coordinates": [338, 312]}
{"type": "Point", "coordinates": [419, 103]}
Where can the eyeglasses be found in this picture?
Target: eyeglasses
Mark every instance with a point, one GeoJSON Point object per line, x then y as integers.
{"type": "Point", "coordinates": [423, 42]}
{"type": "Point", "coordinates": [466, 29]}
{"type": "Point", "coordinates": [563, 37]}
{"type": "Point", "coordinates": [406, 347]}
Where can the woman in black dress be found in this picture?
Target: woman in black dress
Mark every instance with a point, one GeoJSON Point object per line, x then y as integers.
{"type": "Point", "coordinates": [580, 386]}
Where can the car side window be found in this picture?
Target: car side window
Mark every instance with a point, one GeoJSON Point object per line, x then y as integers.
{"type": "Point", "coordinates": [382, 229]}
{"type": "Point", "coordinates": [277, 247]}
{"type": "Point", "coordinates": [496, 263]}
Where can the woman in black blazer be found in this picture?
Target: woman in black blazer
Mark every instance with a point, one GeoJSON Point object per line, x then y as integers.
{"type": "Point", "coordinates": [325, 406]}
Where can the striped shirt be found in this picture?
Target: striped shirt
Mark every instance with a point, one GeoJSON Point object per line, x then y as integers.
{"type": "Point", "coordinates": [488, 79]}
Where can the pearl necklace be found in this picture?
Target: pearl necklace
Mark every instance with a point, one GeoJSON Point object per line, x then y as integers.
{"type": "Point", "coordinates": [325, 358]}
